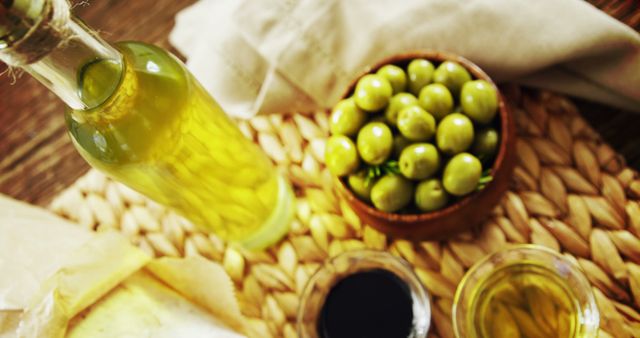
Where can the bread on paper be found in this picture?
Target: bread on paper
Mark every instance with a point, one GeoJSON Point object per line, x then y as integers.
{"type": "Point", "coordinates": [60, 280]}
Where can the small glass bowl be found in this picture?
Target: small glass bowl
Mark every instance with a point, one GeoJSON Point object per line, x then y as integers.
{"type": "Point", "coordinates": [351, 262]}
{"type": "Point", "coordinates": [568, 273]}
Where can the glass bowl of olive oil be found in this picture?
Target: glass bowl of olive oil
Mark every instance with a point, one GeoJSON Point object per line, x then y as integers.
{"type": "Point", "coordinates": [525, 291]}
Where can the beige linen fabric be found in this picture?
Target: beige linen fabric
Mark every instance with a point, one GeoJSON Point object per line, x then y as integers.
{"type": "Point", "coordinates": [277, 55]}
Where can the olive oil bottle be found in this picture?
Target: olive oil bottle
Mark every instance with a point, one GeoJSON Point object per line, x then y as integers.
{"type": "Point", "coordinates": [137, 114]}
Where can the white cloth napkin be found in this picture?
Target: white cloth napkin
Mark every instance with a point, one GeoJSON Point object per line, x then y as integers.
{"type": "Point", "coordinates": [276, 56]}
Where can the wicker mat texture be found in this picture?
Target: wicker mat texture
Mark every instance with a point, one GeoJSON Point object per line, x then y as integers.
{"type": "Point", "coordinates": [570, 192]}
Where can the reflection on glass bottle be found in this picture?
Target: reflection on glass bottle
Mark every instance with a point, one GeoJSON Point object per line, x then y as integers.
{"type": "Point", "coordinates": [138, 115]}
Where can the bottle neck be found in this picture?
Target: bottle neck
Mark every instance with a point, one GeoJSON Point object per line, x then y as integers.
{"type": "Point", "coordinates": [58, 56]}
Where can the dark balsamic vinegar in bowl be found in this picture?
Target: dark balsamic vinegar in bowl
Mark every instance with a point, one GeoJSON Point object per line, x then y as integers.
{"type": "Point", "coordinates": [364, 294]}
{"type": "Point", "coordinates": [374, 303]}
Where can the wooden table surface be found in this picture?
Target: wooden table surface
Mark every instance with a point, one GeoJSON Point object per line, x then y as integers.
{"type": "Point", "coordinates": [37, 159]}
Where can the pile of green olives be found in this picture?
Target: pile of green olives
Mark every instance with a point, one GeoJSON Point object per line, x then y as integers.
{"type": "Point", "coordinates": [414, 137]}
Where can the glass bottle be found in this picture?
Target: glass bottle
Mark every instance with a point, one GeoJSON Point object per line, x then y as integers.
{"type": "Point", "coordinates": [138, 115]}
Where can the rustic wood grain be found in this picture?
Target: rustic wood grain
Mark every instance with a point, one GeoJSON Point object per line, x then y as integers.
{"type": "Point", "coordinates": [37, 159]}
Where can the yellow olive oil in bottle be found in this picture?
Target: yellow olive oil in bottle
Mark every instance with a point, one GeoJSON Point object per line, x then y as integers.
{"type": "Point", "coordinates": [138, 115]}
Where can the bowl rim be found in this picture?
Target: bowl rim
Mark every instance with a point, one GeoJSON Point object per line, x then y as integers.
{"type": "Point", "coordinates": [403, 220]}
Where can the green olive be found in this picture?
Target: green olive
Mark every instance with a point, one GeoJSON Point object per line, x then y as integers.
{"type": "Point", "coordinates": [396, 77]}
{"type": "Point", "coordinates": [372, 92]}
{"type": "Point", "coordinates": [416, 124]}
{"type": "Point", "coordinates": [341, 155]}
{"type": "Point", "coordinates": [375, 142]}
{"type": "Point", "coordinates": [437, 100]}
{"type": "Point", "coordinates": [346, 118]}
{"type": "Point", "coordinates": [399, 143]}
{"type": "Point", "coordinates": [454, 134]}
{"type": "Point", "coordinates": [430, 195]}
{"type": "Point", "coordinates": [358, 184]}
{"type": "Point", "coordinates": [479, 101]}
{"type": "Point", "coordinates": [462, 174]}
{"type": "Point", "coordinates": [420, 72]}
{"type": "Point", "coordinates": [452, 75]}
{"type": "Point", "coordinates": [391, 193]}
{"type": "Point", "coordinates": [419, 161]}
{"type": "Point", "coordinates": [397, 103]}
{"type": "Point", "coordinates": [485, 144]}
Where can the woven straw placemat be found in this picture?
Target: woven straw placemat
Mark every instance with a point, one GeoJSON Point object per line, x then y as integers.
{"type": "Point", "coordinates": [570, 192]}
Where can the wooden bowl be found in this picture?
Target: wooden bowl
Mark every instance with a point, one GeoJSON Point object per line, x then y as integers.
{"type": "Point", "coordinates": [465, 212]}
